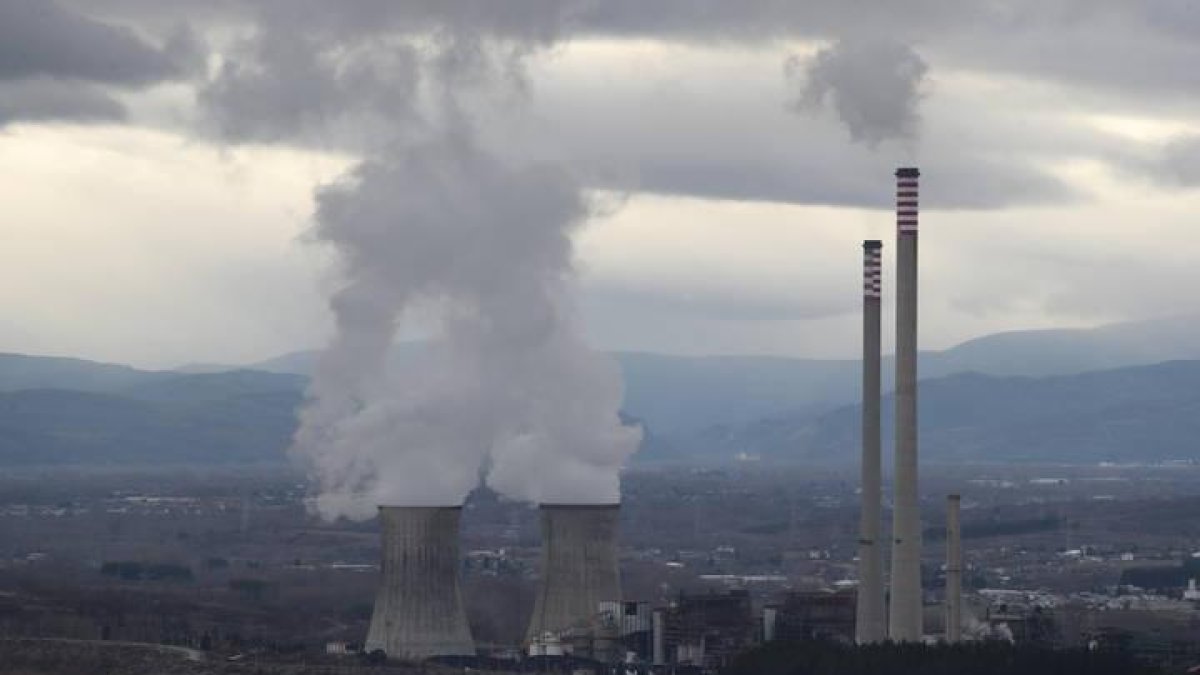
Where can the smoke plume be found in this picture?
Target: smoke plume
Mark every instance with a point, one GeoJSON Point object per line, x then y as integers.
{"type": "Point", "coordinates": [434, 221]}
{"type": "Point", "coordinates": [873, 86]}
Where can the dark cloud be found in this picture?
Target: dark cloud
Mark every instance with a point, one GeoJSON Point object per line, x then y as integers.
{"type": "Point", "coordinates": [50, 100]}
{"type": "Point", "coordinates": [39, 38]}
{"type": "Point", "coordinates": [59, 64]}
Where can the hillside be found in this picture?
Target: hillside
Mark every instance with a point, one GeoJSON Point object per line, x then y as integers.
{"type": "Point", "coordinates": [1144, 413]}
{"type": "Point", "coordinates": [1010, 396]}
{"type": "Point", "coordinates": [165, 418]}
{"type": "Point", "coordinates": [683, 396]}
{"type": "Point", "coordinates": [18, 371]}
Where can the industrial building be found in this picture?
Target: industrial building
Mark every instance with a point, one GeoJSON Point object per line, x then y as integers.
{"type": "Point", "coordinates": [706, 630]}
{"type": "Point", "coordinates": [813, 615]}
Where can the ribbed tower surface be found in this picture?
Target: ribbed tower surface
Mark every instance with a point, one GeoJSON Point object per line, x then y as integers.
{"type": "Point", "coordinates": [579, 566]}
{"type": "Point", "coordinates": [419, 608]}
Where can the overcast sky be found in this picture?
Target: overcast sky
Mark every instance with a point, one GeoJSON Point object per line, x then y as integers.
{"type": "Point", "coordinates": [161, 156]}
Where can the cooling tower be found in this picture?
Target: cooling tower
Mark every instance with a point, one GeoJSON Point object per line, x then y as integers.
{"type": "Point", "coordinates": [871, 620]}
{"type": "Point", "coordinates": [579, 566]}
{"type": "Point", "coordinates": [905, 618]}
{"type": "Point", "coordinates": [419, 608]}
{"type": "Point", "coordinates": [954, 569]}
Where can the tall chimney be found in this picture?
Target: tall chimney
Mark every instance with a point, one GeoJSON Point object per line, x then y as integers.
{"type": "Point", "coordinates": [659, 638]}
{"type": "Point", "coordinates": [870, 621]}
{"type": "Point", "coordinates": [954, 569]}
{"type": "Point", "coordinates": [419, 607]}
{"type": "Point", "coordinates": [905, 619]}
{"type": "Point", "coordinates": [579, 567]}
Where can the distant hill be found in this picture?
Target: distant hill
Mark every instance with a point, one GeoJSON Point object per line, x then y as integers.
{"type": "Point", "coordinates": [56, 410]}
{"type": "Point", "coordinates": [683, 396]}
{"type": "Point", "coordinates": [1007, 396]}
{"type": "Point", "coordinates": [18, 371]}
{"type": "Point", "coordinates": [54, 426]}
{"type": "Point", "coordinates": [1143, 413]}
{"type": "Point", "coordinates": [1062, 352]}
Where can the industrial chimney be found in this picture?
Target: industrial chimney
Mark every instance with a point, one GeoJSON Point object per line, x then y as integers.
{"type": "Point", "coordinates": [871, 622]}
{"type": "Point", "coordinates": [419, 608]}
{"type": "Point", "coordinates": [905, 619]}
{"type": "Point", "coordinates": [954, 569]}
{"type": "Point", "coordinates": [579, 567]}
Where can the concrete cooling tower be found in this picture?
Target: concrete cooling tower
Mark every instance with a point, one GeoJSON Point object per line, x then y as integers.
{"type": "Point", "coordinates": [419, 608]}
{"type": "Point", "coordinates": [579, 566]}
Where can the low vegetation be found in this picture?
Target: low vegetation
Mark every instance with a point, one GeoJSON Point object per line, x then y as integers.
{"type": "Point", "coordinates": [986, 658]}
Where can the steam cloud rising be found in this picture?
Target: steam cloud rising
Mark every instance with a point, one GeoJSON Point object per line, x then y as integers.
{"type": "Point", "coordinates": [873, 85]}
{"type": "Point", "coordinates": [438, 223]}
{"type": "Point", "coordinates": [509, 381]}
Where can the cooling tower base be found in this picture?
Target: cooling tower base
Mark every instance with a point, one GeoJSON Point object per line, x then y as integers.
{"type": "Point", "coordinates": [579, 568]}
{"type": "Point", "coordinates": [419, 609]}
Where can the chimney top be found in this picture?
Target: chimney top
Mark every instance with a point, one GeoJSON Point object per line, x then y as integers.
{"type": "Point", "coordinates": [908, 172]}
{"type": "Point", "coordinates": [954, 498]}
{"type": "Point", "coordinates": [872, 244]}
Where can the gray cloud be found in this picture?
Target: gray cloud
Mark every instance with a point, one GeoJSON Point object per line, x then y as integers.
{"type": "Point", "coordinates": [351, 72]}
{"type": "Point", "coordinates": [39, 38]}
{"type": "Point", "coordinates": [1172, 164]}
{"type": "Point", "coordinates": [732, 146]}
{"type": "Point", "coordinates": [42, 99]}
{"type": "Point", "coordinates": [58, 64]}
{"type": "Point", "coordinates": [1114, 44]}
{"type": "Point", "coordinates": [283, 85]}
{"type": "Point", "coordinates": [1181, 161]}
{"type": "Point", "coordinates": [873, 85]}
{"type": "Point", "coordinates": [961, 182]}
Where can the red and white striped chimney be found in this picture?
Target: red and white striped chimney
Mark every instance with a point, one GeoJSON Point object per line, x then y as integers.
{"type": "Point", "coordinates": [871, 614]}
{"type": "Point", "coordinates": [905, 622]}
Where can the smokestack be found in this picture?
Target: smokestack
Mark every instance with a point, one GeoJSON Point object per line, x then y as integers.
{"type": "Point", "coordinates": [419, 608]}
{"type": "Point", "coordinates": [660, 638]}
{"type": "Point", "coordinates": [954, 569]}
{"type": "Point", "coordinates": [579, 566]}
{"type": "Point", "coordinates": [770, 623]}
{"type": "Point", "coordinates": [905, 620]}
{"type": "Point", "coordinates": [870, 622]}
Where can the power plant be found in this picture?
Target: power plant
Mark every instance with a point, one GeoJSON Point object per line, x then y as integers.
{"type": "Point", "coordinates": [419, 607]}
{"type": "Point", "coordinates": [954, 569]}
{"type": "Point", "coordinates": [419, 611]}
{"type": "Point", "coordinates": [578, 567]}
{"type": "Point", "coordinates": [871, 622]}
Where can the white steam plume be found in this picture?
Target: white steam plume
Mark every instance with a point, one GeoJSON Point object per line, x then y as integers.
{"type": "Point", "coordinates": [488, 244]}
{"type": "Point", "coordinates": [874, 87]}
{"type": "Point", "coordinates": [433, 219]}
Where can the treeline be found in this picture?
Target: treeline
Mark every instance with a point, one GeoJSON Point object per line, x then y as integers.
{"type": "Point", "coordinates": [992, 527]}
{"type": "Point", "coordinates": [132, 570]}
{"type": "Point", "coordinates": [980, 658]}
